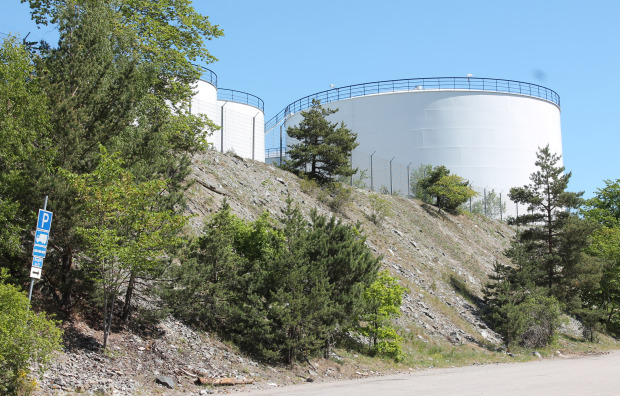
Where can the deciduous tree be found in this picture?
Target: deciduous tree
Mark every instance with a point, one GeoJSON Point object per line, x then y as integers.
{"type": "Point", "coordinates": [382, 304]}
{"type": "Point", "coordinates": [451, 191]}
{"type": "Point", "coordinates": [26, 338]}
{"type": "Point", "coordinates": [125, 236]}
{"type": "Point", "coordinates": [604, 210]}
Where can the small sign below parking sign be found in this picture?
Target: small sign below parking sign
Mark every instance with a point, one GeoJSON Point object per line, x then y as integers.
{"type": "Point", "coordinates": [35, 272]}
{"type": "Point", "coordinates": [37, 262]}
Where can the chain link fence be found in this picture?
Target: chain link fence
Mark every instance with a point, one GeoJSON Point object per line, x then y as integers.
{"type": "Point", "coordinates": [389, 176]}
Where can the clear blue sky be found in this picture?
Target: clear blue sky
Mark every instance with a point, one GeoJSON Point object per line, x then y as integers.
{"type": "Point", "coordinates": [283, 50]}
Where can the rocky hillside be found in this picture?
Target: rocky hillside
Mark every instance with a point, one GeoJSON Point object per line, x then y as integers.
{"type": "Point", "coordinates": [442, 259]}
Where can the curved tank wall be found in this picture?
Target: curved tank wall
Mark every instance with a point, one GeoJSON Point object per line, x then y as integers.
{"type": "Point", "coordinates": [244, 130]}
{"type": "Point", "coordinates": [243, 124]}
{"type": "Point", "coordinates": [489, 138]}
{"type": "Point", "coordinates": [205, 99]}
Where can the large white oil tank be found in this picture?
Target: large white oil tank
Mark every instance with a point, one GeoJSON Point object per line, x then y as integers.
{"type": "Point", "coordinates": [239, 116]}
{"type": "Point", "coordinates": [485, 130]}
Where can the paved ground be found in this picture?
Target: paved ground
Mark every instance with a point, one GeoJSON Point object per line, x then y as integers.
{"type": "Point", "coordinates": [593, 375]}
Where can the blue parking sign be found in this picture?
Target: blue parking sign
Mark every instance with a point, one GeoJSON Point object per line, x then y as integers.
{"type": "Point", "coordinates": [44, 222]}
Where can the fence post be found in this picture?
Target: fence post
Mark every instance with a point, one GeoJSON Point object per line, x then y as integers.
{"type": "Point", "coordinates": [222, 129]}
{"type": "Point", "coordinates": [372, 186]}
{"type": "Point", "coordinates": [253, 135]}
{"type": "Point", "coordinates": [409, 181]}
{"type": "Point", "coordinates": [425, 196]}
{"type": "Point", "coordinates": [391, 191]}
{"type": "Point", "coordinates": [500, 207]}
{"type": "Point", "coordinates": [351, 168]}
{"type": "Point", "coordinates": [280, 145]}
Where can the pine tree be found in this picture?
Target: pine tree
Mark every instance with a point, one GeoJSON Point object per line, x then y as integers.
{"type": "Point", "coordinates": [205, 283]}
{"type": "Point", "coordinates": [432, 177]}
{"type": "Point", "coordinates": [550, 269]}
{"type": "Point", "coordinates": [301, 302]}
{"type": "Point", "coordinates": [101, 91]}
{"type": "Point", "coordinates": [554, 238]}
{"type": "Point", "coordinates": [350, 268]}
{"type": "Point", "coordinates": [324, 149]}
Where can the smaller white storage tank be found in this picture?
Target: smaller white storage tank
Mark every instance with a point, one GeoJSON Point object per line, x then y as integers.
{"type": "Point", "coordinates": [239, 115]}
{"type": "Point", "coordinates": [243, 124]}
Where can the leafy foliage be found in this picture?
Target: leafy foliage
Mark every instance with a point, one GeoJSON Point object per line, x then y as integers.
{"type": "Point", "coordinates": [26, 338]}
{"type": "Point", "coordinates": [125, 236]}
{"type": "Point", "coordinates": [383, 299]}
{"type": "Point", "coordinates": [450, 190]}
{"type": "Point", "coordinates": [324, 148]}
{"type": "Point", "coordinates": [490, 205]}
{"type": "Point", "coordinates": [417, 182]}
{"type": "Point", "coordinates": [380, 208]}
{"type": "Point", "coordinates": [604, 210]}
{"type": "Point", "coordinates": [169, 35]}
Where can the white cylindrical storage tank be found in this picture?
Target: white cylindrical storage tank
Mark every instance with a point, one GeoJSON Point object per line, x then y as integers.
{"type": "Point", "coordinates": [485, 130]}
{"type": "Point", "coordinates": [242, 126]}
{"type": "Point", "coordinates": [205, 98]}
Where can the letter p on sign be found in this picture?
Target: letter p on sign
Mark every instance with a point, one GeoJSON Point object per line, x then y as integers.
{"type": "Point", "coordinates": [45, 220]}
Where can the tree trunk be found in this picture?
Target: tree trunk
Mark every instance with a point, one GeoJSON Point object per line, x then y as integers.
{"type": "Point", "coordinates": [128, 296]}
{"type": "Point", "coordinates": [66, 285]}
{"type": "Point", "coordinates": [327, 347]}
{"type": "Point", "coordinates": [108, 325]}
{"type": "Point", "coordinates": [105, 318]}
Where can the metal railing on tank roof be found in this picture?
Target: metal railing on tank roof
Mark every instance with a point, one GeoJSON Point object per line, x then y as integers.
{"type": "Point", "coordinates": [240, 97]}
{"type": "Point", "coordinates": [208, 75]}
{"type": "Point", "coordinates": [416, 84]}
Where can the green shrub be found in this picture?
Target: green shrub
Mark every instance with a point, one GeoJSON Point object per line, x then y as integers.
{"type": "Point", "coordinates": [382, 304]}
{"type": "Point", "coordinates": [25, 338]}
{"type": "Point", "coordinates": [531, 323]}
{"type": "Point", "coordinates": [380, 209]}
{"type": "Point", "coordinates": [335, 195]}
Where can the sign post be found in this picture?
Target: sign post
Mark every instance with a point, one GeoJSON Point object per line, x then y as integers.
{"type": "Point", "coordinates": [41, 237]}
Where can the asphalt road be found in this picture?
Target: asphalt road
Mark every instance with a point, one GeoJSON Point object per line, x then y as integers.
{"type": "Point", "coordinates": [593, 375]}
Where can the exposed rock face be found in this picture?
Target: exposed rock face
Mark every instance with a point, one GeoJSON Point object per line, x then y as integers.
{"type": "Point", "coordinates": [442, 259]}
